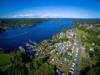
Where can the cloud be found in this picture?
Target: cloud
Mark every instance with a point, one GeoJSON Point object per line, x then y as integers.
{"type": "Point", "coordinates": [57, 12]}
{"type": "Point", "coordinates": [23, 15]}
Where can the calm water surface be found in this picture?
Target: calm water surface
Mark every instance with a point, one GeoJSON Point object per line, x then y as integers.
{"type": "Point", "coordinates": [13, 38]}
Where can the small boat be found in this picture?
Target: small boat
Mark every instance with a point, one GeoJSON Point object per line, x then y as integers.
{"type": "Point", "coordinates": [34, 43]}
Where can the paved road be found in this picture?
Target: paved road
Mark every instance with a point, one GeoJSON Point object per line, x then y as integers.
{"type": "Point", "coordinates": [76, 72]}
{"type": "Point", "coordinates": [76, 68]}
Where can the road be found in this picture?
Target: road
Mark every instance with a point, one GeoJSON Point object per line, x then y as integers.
{"type": "Point", "coordinates": [77, 66]}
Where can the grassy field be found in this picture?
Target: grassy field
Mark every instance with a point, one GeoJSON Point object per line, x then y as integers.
{"type": "Point", "coordinates": [4, 59]}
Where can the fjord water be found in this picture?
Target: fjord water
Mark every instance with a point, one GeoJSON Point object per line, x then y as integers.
{"type": "Point", "coordinates": [11, 39]}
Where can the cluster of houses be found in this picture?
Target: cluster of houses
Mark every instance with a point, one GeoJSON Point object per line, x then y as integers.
{"type": "Point", "coordinates": [63, 47]}
{"type": "Point", "coordinates": [59, 48]}
{"type": "Point", "coordinates": [90, 26]}
{"type": "Point", "coordinates": [68, 34]}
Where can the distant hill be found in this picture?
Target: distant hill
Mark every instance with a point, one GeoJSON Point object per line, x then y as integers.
{"type": "Point", "coordinates": [19, 22]}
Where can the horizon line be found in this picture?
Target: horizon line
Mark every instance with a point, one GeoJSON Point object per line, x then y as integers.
{"type": "Point", "coordinates": [42, 17]}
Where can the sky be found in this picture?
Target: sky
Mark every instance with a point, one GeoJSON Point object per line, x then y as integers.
{"type": "Point", "coordinates": [49, 8]}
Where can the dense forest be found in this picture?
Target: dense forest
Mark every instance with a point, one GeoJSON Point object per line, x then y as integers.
{"type": "Point", "coordinates": [19, 22]}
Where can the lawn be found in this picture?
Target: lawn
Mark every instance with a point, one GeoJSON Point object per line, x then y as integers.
{"type": "Point", "coordinates": [80, 32]}
{"type": "Point", "coordinates": [4, 59]}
